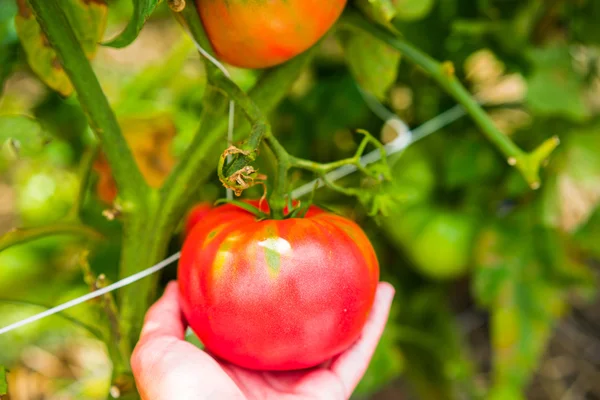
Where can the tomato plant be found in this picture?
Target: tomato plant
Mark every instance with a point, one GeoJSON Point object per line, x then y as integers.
{"type": "Point", "coordinates": [259, 276]}
{"type": "Point", "coordinates": [434, 124]}
{"type": "Point", "coordinates": [265, 33]}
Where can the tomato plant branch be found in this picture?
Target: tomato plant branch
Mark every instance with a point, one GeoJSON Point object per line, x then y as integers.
{"type": "Point", "coordinates": [20, 236]}
{"type": "Point", "coordinates": [277, 200]}
{"type": "Point", "coordinates": [239, 171]}
{"type": "Point", "coordinates": [322, 169]}
{"type": "Point", "coordinates": [85, 169]}
{"type": "Point", "coordinates": [51, 17]}
{"type": "Point", "coordinates": [240, 175]}
{"type": "Point", "coordinates": [527, 163]}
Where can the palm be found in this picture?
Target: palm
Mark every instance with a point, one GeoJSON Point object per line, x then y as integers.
{"type": "Point", "coordinates": [167, 367]}
{"type": "Point", "coordinates": [318, 383]}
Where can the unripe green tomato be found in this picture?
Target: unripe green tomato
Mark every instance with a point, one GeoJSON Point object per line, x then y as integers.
{"type": "Point", "coordinates": [406, 224]}
{"type": "Point", "coordinates": [44, 193]}
{"type": "Point", "coordinates": [442, 250]}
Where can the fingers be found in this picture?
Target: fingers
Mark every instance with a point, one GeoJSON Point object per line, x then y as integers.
{"type": "Point", "coordinates": [167, 367]}
{"type": "Point", "coordinates": [351, 365]}
{"type": "Point", "coordinates": [164, 318]}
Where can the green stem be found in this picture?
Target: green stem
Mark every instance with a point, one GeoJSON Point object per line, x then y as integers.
{"type": "Point", "coordinates": [20, 236]}
{"type": "Point", "coordinates": [180, 188]}
{"type": "Point", "coordinates": [351, 192]}
{"type": "Point", "coordinates": [190, 20]}
{"type": "Point", "coordinates": [260, 126]}
{"type": "Point", "coordinates": [277, 199]}
{"type": "Point", "coordinates": [261, 129]}
{"type": "Point", "coordinates": [85, 169]}
{"type": "Point", "coordinates": [355, 160]}
{"type": "Point", "coordinates": [62, 38]}
{"type": "Point", "coordinates": [444, 74]}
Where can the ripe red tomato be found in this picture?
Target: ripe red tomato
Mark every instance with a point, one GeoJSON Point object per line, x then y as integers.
{"type": "Point", "coordinates": [194, 216]}
{"type": "Point", "coordinates": [277, 294]}
{"type": "Point", "coordinates": [264, 33]}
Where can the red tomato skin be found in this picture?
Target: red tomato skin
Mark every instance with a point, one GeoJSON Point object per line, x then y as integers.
{"type": "Point", "coordinates": [277, 294]}
{"type": "Point", "coordinates": [265, 33]}
{"type": "Point", "coordinates": [195, 215]}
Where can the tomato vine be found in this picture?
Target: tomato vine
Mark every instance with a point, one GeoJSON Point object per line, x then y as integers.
{"type": "Point", "coordinates": [150, 216]}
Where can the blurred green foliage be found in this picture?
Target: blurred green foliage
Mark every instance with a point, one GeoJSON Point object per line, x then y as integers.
{"type": "Point", "coordinates": [464, 231]}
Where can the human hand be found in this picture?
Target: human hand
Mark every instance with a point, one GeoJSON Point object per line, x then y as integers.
{"type": "Point", "coordinates": [167, 367]}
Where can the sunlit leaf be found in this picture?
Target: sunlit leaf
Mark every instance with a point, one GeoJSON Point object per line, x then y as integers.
{"type": "Point", "coordinates": [88, 20]}
{"type": "Point", "coordinates": [150, 141]}
{"type": "Point", "coordinates": [142, 9]}
{"type": "Point", "coordinates": [376, 72]}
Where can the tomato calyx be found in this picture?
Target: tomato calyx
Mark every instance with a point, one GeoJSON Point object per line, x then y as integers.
{"type": "Point", "coordinates": [297, 208]}
{"type": "Point", "coordinates": [256, 211]}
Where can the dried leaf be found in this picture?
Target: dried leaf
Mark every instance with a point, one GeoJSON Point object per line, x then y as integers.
{"type": "Point", "coordinates": [88, 20]}
{"type": "Point", "coordinates": [150, 142]}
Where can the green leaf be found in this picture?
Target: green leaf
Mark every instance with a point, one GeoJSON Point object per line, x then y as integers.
{"type": "Point", "coordinates": [572, 193]}
{"type": "Point", "coordinates": [554, 87]}
{"type": "Point", "coordinates": [3, 382]}
{"type": "Point", "coordinates": [142, 9]}
{"type": "Point", "coordinates": [520, 278]}
{"type": "Point", "coordinates": [373, 63]}
{"type": "Point", "coordinates": [88, 19]}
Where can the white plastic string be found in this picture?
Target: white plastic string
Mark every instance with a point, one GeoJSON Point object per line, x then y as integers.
{"type": "Point", "coordinates": [92, 295]}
